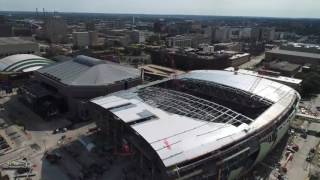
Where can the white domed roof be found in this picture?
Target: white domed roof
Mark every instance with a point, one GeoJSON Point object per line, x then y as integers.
{"type": "Point", "coordinates": [23, 63]}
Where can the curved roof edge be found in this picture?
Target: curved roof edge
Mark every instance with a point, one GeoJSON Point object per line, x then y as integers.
{"type": "Point", "coordinates": [23, 63]}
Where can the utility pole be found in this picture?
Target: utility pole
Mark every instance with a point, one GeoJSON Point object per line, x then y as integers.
{"type": "Point", "coordinates": [44, 144]}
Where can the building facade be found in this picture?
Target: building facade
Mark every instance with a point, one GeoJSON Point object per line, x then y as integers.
{"type": "Point", "coordinates": [179, 41]}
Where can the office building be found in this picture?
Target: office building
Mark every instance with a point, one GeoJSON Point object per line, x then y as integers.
{"type": "Point", "coordinates": [267, 34]}
{"type": "Point", "coordinates": [81, 39]}
{"type": "Point", "coordinates": [85, 39]}
{"type": "Point", "coordinates": [179, 41]}
{"type": "Point", "coordinates": [55, 29]}
{"type": "Point", "coordinates": [189, 59]}
{"type": "Point", "coordinates": [221, 34]}
{"type": "Point", "coordinates": [137, 37]}
{"type": "Point", "coordinates": [193, 59]}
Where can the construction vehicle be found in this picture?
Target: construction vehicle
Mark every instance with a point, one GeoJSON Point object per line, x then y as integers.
{"type": "Point", "coordinates": [53, 158]}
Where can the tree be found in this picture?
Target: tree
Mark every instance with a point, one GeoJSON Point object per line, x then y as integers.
{"type": "Point", "coordinates": [5, 177]}
{"type": "Point", "coordinates": [311, 83]}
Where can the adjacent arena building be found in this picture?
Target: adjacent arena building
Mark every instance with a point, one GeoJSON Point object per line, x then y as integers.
{"type": "Point", "coordinates": [16, 69]}
{"type": "Point", "coordinates": [199, 125]}
{"type": "Point", "coordinates": [23, 63]}
{"type": "Point", "coordinates": [66, 87]}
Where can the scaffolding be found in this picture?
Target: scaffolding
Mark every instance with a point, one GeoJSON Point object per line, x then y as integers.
{"type": "Point", "coordinates": [184, 104]}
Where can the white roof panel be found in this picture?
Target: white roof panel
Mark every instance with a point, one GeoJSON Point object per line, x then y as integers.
{"type": "Point", "coordinates": [275, 78]}
{"type": "Point", "coordinates": [267, 89]}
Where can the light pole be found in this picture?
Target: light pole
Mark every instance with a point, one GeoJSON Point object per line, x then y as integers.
{"type": "Point", "coordinates": [44, 144]}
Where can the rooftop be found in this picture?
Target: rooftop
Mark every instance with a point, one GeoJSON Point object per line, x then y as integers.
{"type": "Point", "coordinates": [295, 53]}
{"type": "Point", "coordinates": [276, 78]}
{"type": "Point", "coordinates": [283, 66]}
{"type": "Point", "coordinates": [153, 69]}
{"type": "Point", "coordinates": [239, 55]}
{"type": "Point", "coordinates": [303, 45]}
{"type": "Point", "coordinates": [87, 71]}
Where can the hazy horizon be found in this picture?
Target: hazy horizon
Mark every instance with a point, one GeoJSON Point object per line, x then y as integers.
{"type": "Point", "coordinates": [257, 8]}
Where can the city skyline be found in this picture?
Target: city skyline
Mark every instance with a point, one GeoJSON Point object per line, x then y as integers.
{"type": "Point", "coordinates": [260, 8]}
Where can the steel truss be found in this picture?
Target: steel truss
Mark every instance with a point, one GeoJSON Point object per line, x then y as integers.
{"type": "Point", "coordinates": [191, 106]}
{"type": "Point", "coordinates": [212, 87]}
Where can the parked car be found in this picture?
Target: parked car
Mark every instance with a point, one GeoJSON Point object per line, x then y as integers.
{"type": "Point", "coordinates": [53, 157]}
{"type": "Point", "coordinates": [59, 130]}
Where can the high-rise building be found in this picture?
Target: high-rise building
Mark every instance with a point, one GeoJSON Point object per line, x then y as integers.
{"type": "Point", "coordinates": [2, 19]}
{"type": "Point", "coordinates": [55, 29]}
{"type": "Point", "coordinates": [90, 26]}
{"type": "Point", "coordinates": [246, 33]}
{"type": "Point", "coordinates": [138, 36]}
{"type": "Point", "coordinates": [221, 34]}
{"type": "Point", "coordinates": [159, 26]}
{"type": "Point", "coordinates": [84, 39]}
{"type": "Point", "coordinates": [80, 39]}
{"type": "Point", "coordinates": [5, 29]}
{"type": "Point", "coordinates": [93, 38]}
{"type": "Point", "coordinates": [179, 41]}
{"type": "Point", "coordinates": [267, 34]}
{"type": "Point", "coordinates": [197, 39]}
{"type": "Point", "coordinates": [208, 33]}
{"type": "Point", "coordinates": [234, 33]}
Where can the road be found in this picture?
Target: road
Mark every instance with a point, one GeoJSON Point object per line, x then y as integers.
{"type": "Point", "coordinates": [253, 61]}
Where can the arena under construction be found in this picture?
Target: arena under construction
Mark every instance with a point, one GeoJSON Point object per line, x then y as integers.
{"type": "Point", "coordinates": [199, 125]}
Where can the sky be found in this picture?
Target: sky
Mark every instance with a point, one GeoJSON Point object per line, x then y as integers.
{"type": "Point", "coordinates": [263, 8]}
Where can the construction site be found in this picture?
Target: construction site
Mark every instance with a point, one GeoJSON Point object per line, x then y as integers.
{"type": "Point", "coordinates": [218, 120]}
{"type": "Point", "coordinates": [297, 155]}
{"type": "Point", "coordinates": [195, 125]}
